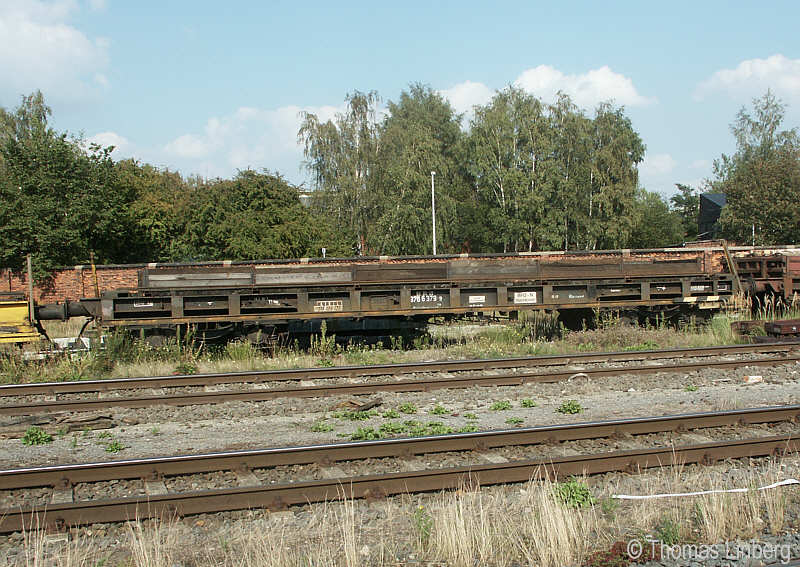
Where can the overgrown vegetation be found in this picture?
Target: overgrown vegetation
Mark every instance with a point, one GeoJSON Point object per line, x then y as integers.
{"type": "Point", "coordinates": [126, 355]}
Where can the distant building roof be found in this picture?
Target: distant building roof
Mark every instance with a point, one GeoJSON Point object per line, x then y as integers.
{"type": "Point", "coordinates": [716, 198]}
{"type": "Point", "coordinates": [711, 205]}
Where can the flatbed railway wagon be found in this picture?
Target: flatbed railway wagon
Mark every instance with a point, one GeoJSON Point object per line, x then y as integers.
{"type": "Point", "coordinates": [377, 297]}
{"type": "Point", "coordinates": [384, 296]}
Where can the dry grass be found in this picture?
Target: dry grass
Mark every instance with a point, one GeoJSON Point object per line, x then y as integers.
{"type": "Point", "coordinates": [131, 358]}
{"type": "Point", "coordinates": [522, 524]}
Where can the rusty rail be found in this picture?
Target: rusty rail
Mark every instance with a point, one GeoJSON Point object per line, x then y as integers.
{"type": "Point", "coordinates": [65, 475]}
{"type": "Point", "coordinates": [428, 384]}
{"type": "Point", "coordinates": [257, 376]}
{"type": "Point", "coordinates": [280, 496]}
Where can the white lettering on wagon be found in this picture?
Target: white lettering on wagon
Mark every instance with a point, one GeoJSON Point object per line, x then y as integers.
{"type": "Point", "coordinates": [426, 299]}
{"type": "Point", "coordinates": [327, 305]}
{"type": "Point", "coordinates": [142, 303]}
{"type": "Point", "coordinates": [525, 297]}
{"type": "Point", "coordinates": [477, 299]}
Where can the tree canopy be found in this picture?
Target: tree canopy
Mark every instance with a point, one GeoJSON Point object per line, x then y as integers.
{"type": "Point", "coordinates": [521, 175]}
{"type": "Point", "coordinates": [761, 181]}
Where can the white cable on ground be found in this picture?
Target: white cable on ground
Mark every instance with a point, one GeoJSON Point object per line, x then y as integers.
{"type": "Point", "coordinates": [704, 492]}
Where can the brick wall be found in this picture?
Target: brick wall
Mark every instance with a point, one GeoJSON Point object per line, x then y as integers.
{"type": "Point", "coordinates": [73, 283]}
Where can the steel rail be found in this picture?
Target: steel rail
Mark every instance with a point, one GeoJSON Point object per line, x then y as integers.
{"type": "Point", "coordinates": [255, 376]}
{"type": "Point", "coordinates": [65, 475]}
{"type": "Point", "coordinates": [280, 496]}
{"type": "Point", "coordinates": [314, 391]}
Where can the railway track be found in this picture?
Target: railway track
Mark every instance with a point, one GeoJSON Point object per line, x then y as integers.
{"type": "Point", "coordinates": [328, 453]}
{"type": "Point", "coordinates": [290, 375]}
{"type": "Point", "coordinates": [360, 388]}
{"type": "Point", "coordinates": [281, 495]}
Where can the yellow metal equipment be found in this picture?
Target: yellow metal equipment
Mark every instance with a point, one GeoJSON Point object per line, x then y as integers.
{"type": "Point", "coordinates": [15, 323]}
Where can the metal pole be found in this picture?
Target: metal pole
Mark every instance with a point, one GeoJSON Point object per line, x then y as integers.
{"type": "Point", "coordinates": [31, 309]}
{"type": "Point", "coordinates": [433, 210]}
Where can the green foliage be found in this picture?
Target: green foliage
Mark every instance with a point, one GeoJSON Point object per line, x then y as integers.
{"type": "Point", "coordinates": [408, 408]}
{"type": "Point", "coordinates": [686, 203]}
{"type": "Point", "coordinates": [668, 532]}
{"type": "Point", "coordinates": [423, 522]}
{"type": "Point", "coordinates": [514, 420]}
{"type": "Point", "coordinates": [366, 434]}
{"type": "Point", "coordinates": [528, 403]}
{"type": "Point", "coordinates": [418, 429]}
{"type": "Point", "coordinates": [656, 225]}
{"type": "Point", "coordinates": [439, 409]}
{"type": "Point", "coordinates": [393, 428]}
{"type": "Point", "coordinates": [470, 416]}
{"type": "Point", "coordinates": [186, 367]}
{"type": "Point", "coordinates": [321, 427]}
{"type": "Point", "coordinates": [58, 199]}
{"type": "Point", "coordinates": [761, 181]}
{"type": "Point", "coordinates": [420, 134]}
{"type": "Point", "coordinates": [500, 406]}
{"type": "Point", "coordinates": [471, 428]}
{"type": "Point", "coordinates": [574, 494]}
{"type": "Point", "coordinates": [570, 407]}
{"type": "Point", "coordinates": [391, 414]}
{"type": "Point", "coordinates": [36, 436]}
{"type": "Point", "coordinates": [691, 388]}
{"type": "Point", "coordinates": [114, 447]}
{"type": "Point", "coordinates": [342, 155]}
{"type": "Point", "coordinates": [253, 215]}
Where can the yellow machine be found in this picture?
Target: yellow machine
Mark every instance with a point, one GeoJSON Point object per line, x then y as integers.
{"type": "Point", "coordinates": [15, 323]}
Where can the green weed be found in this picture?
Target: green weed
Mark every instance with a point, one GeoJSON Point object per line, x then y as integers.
{"type": "Point", "coordinates": [440, 410]}
{"type": "Point", "coordinates": [36, 436]}
{"type": "Point", "coordinates": [570, 407]}
{"type": "Point", "coordinates": [574, 494]}
{"type": "Point", "coordinates": [366, 434]}
{"type": "Point", "coordinates": [321, 427]}
{"type": "Point", "coordinates": [500, 406]}
{"type": "Point", "coordinates": [114, 447]}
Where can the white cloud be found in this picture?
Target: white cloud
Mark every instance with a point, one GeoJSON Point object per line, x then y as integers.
{"type": "Point", "coordinates": [753, 77]}
{"type": "Point", "coordinates": [464, 96]}
{"type": "Point", "coordinates": [586, 89]}
{"type": "Point", "coordinates": [122, 147]}
{"type": "Point", "coordinates": [657, 164]}
{"type": "Point", "coordinates": [41, 50]}
{"type": "Point", "coordinates": [700, 164]}
{"type": "Point", "coordinates": [250, 137]}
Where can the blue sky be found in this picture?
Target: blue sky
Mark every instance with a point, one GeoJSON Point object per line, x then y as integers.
{"type": "Point", "coordinates": [212, 87]}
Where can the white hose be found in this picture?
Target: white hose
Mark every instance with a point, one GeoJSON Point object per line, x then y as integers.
{"type": "Point", "coordinates": [704, 492]}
